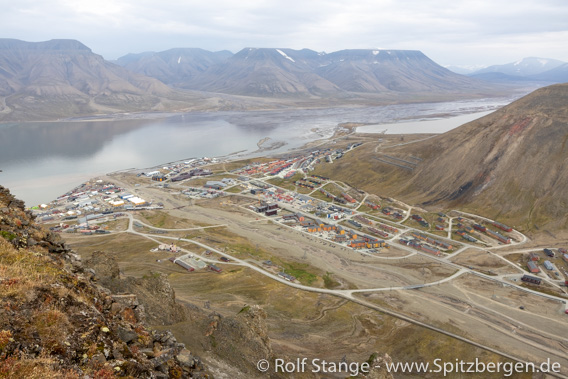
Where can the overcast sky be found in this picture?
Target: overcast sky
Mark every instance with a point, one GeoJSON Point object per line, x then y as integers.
{"type": "Point", "coordinates": [451, 32]}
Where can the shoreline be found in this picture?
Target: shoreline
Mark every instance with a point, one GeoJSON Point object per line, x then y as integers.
{"type": "Point", "coordinates": [314, 134]}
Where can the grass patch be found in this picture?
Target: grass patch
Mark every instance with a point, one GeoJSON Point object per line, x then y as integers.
{"type": "Point", "coordinates": [283, 183]}
{"type": "Point", "coordinates": [365, 209]}
{"type": "Point", "coordinates": [116, 225]}
{"type": "Point", "coordinates": [244, 309]}
{"type": "Point", "coordinates": [161, 219]}
{"type": "Point", "coordinates": [23, 270]}
{"type": "Point", "coordinates": [305, 191]}
{"type": "Point", "coordinates": [329, 282]}
{"type": "Point", "coordinates": [545, 290]}
{"type": "Point", "coordinates": [320, 196]}
{"type": "Point", "coordinates": [299, 271]}
{"type": "Point", "coordinates": [7, 235]}
{"type": "Point", "coordinates": [289, 183]}
{"type": "Point", "coordinates": [249, 250]}
{"type": "Point", "coordinates": [519, 259]}
{"type": "Point", "coordinates": [235, 189]}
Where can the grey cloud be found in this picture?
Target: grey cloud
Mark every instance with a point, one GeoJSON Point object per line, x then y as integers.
{"type": "Point", "coordinates": [449, 31]}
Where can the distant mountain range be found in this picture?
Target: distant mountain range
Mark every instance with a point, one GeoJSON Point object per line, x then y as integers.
{"type": "Point", "coordinates": [64, 78]}
{"type": "Point", "coordinates": [288, 72]}
{"type": "Point", "coordinates": [526, 70]}
{"type": "Point", "coordinates": [525, 67]}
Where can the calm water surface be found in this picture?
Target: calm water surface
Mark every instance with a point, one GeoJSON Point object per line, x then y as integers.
{"type": "Point", "coordinates": [41, 161]}
{"type": "Point", "coordinates": [441, 125]}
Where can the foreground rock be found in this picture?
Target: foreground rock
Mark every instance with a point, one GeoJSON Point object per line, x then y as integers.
{"type": "Point", "coordinates": [56, 321]}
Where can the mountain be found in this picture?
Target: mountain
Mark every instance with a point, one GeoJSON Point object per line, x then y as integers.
{"type": "Point", "coordinates": [266, 72]}
{"type": "Point", "coordinates": [510, 164]}
{"type": "Point", "coordinates": [524, 67]}
{"type": "Point", "coordinates": [64, 78]}
{"type": "Point", "coordinates": [499, 77]}
{"type": "Point", "coordinates": [531, 68]}
{"type": "Point", "coordinates": [305, 73]}
{"type": "Point", "coordinates": [288, 72]}
{"type": "Point", "coordinates": [464, 70]}
{"type": "Point", "coordinates": [557, 75]}
{"type": "Point", "coordinates": [173, 66]}
{"type": "Point", "coordinates": [389, 70]}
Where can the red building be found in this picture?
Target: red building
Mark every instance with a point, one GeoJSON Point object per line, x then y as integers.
{"type": "Point", "coordinates": [533, 268]}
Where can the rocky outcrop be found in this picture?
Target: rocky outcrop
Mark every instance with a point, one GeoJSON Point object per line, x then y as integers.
{"type": "Point", "coordinates": [378, 365]}
{"type": "Point", "coordinates": [240, 341]}
{"type": "Point", "coordinates": [56, 320]}
{"type": "Point", "coordinates": [152, 290]}
{"type": "Point", "coordinates": [17, 226]}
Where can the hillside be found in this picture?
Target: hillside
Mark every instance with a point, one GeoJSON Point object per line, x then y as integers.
{"type": "Point", "coordinates": [265, 72]}
{"type": "Point", "coordinates": [558, 74]}
{"type": "Point", "coordinates": [56, 322]}
{"type": "Point", "coordinates": [64, 78]}
{"type": "Point", "coordinates": [511, 164]}
{"type": "Point", "coordinates": [174, 66]}
{"type": "Point", "coordinates": [343, 74]}
{"type": "Point", "coordinates": [390, 70]}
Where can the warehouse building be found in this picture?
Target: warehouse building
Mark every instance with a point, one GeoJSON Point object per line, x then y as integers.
{"type": "Point", "coordinates": [533, 268]}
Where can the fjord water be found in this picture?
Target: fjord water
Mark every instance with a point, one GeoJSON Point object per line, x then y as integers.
{"type": "Point", "coordinates": [41, 161]}
{"type": "Point", "coordinates": [438, 125]}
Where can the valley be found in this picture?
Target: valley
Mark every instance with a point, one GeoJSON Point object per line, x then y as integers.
{"type": "Point", "coordinates": [311, 220]}
{"type": "Point", "coordinates": [280, 190]}
{"type": "Point", "coordinates": [412, 274]}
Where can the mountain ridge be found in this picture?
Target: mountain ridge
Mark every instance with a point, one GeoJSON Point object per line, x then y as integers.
{"type": "Point", "coordinates": [63, 78]}
{"type": "Point", "coordinates": [48, 80]}
{"type": "Point", "coordinates": [167, 66]}
{"type": "Point", "coordinates": [526, 69]}
{"type": "Point", "coordinates": [284, 72]}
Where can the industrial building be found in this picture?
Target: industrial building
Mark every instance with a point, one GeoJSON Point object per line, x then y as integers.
{"type": "Point", "coordinates": [214, 268]}
{"type": "Point", "coordinates": [531, 279]}
{"type": "Point", "coordinates": [498, 236]}
{"type": "Point", "coordinates": [432, 241]}
{"type": "Point", "coordinates": [502, 226]}
{"type": "Point", "coordinates": [363, 220]}
{"type": "Point", "coordinates": [136, 200]}
{"type": "Point", "coordinates": [533, 268]}
{"type": "Point", "coordinates": [214, 184]}
{"type": "Point", "coordinates": [379, 232]}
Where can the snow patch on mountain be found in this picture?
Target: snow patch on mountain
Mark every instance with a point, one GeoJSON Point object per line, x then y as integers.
{"type": "Point", "coordinates": [285, 55]}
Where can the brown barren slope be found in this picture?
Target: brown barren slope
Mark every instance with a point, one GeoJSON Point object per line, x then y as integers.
{"type": "Point", "coordinates": [509, 165]}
